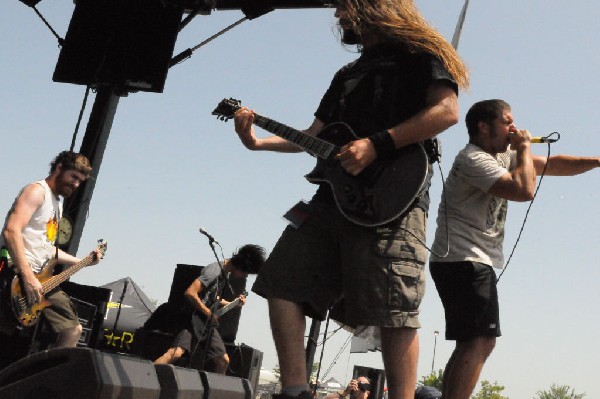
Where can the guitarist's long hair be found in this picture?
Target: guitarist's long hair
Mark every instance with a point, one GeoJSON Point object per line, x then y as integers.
{"type": "Point", "coordinates": [400, 21]}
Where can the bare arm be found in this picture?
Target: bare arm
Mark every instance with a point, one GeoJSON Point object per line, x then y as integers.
{"type": "Point", "coordinates": [519, 183]}
{"type": "Point", "coordinates": [244, 127]}
{"type": "Point", "coordinates": [191, 294]}
{"type": "Point", "coordinates": [28, 202]}
{"type": "Point", "coordinates": [565, 165]}
{"type": "Point", "coordinates": [440, 113]}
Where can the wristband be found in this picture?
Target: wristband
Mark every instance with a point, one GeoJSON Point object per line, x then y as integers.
{"type": "Point", "coordinates": [383, 143]}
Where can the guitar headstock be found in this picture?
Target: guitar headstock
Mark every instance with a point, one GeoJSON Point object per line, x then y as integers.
{"type": "Point", "coordinates": [102, 247]}
{"type": "Point", "coordinates": [227, 108]}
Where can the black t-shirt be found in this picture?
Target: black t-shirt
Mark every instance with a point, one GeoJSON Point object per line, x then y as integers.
{"type": "Point", "coordinates": [385, 86]}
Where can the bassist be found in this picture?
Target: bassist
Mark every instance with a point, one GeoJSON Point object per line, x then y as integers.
{"type": "Point", "coordinates": [29, 237]}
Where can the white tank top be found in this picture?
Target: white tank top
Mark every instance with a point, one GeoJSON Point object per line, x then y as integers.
{"type": "Point", "coordinates": [41, 232]}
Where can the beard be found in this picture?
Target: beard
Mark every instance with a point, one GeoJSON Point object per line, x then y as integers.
{"type": "Point", "coordinates": [63, 188]}
{"type": "Point", "coordinates": [349, 36]}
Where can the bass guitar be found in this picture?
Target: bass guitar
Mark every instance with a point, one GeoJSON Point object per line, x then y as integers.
{"type": "Point", "coordinates": [28, 314]}
{"type": "Point", "coordinates": [382, 192]}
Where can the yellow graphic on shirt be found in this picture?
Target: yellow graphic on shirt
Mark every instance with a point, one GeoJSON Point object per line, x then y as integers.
{"type": "Point", "coordinates": [52, 229]}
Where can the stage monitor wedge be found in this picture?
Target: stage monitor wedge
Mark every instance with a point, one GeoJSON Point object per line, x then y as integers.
{"type": "Point", "coordinates": [126, 44]}
{"type": "Point", "coordinates": [76, 373]}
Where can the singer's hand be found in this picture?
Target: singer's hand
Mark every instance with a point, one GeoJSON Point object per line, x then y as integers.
{"type": "Point", "coordinates": [519, 139]}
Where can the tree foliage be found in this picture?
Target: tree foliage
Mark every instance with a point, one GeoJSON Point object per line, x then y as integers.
{"type": "Point", "coordinates": [313, 373]}
{"type": "Point", "coordinates": [433, 380]}
{"type": "Point", "coordinates": [559, 392]}
{"type": "Point", "coordinates": [489, 391]}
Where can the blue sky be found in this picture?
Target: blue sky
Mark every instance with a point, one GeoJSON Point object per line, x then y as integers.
{"type": "Point", "coordinates": [170, 167]}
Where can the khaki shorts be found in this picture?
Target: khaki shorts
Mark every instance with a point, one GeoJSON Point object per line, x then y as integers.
{"type": "Point", "coordinates": [60, 314]}
{"type": "Point", "coordinates": [374, 275]}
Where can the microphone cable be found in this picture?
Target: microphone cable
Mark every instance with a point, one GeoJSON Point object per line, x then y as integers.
{"type": "Point", "coordinates": [529, 207]}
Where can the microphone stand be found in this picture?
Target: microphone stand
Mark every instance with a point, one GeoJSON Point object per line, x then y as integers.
{"type": "Point", "coordinates": [119, 310]}
{"type": "Point", "coordinates": [209, 323]}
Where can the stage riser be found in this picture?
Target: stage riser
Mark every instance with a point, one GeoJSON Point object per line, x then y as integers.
{"type": "Point", "coordinates": [86, 373]}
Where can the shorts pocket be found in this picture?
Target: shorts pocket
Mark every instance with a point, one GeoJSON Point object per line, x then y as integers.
{"type": "Point", "coordinates": [407, 286]}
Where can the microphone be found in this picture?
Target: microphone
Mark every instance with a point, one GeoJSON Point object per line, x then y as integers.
{"type": "Point", "coordinates": [541, 140]}
{"type": "Point", "coordinates": [210, 238]}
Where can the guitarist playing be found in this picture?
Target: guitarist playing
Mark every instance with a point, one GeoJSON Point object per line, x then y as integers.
{"type": "Point", "coordinates": [204, 295]}
{"type": "Point", "coordinates": [402, 90]}
{"type": "Point", "coordinates": [29, 238]}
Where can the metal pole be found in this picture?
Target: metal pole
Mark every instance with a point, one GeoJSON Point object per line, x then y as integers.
{"type": "Point", "coordinates": [435, 335]}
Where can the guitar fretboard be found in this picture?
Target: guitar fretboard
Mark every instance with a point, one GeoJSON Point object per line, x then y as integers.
{"type": "Point", "coordinates": [310, 144]}
{"type": "Point", "coordinates": [58, 279]}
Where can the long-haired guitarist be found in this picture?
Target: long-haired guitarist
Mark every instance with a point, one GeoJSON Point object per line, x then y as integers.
{"type": "Point", "coordinates": [29, 238]}
{"type": "Point", "coordinates": [401, 91]}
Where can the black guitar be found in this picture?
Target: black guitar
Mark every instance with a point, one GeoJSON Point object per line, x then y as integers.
{"type": "Point", "coordinates": [379, 194]}
{"type": "Point", "coordinates": [199, 320]}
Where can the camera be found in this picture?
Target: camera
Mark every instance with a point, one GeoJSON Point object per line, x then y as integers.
{"type": "Point", "coordinates": [364, 386]}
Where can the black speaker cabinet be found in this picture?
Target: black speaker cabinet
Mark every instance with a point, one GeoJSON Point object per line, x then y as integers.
{"type": "Point", "coordinates": [244, 362]}
{"type": "Point", "coordinates": [91, 305]}
{"type": "Point", "coordinates": [218, 386]}
{"type": "Point", "coordinates": [126, 43]}
{"type": "Point", "coordinates": [376, 376]}
{"type": "Point", "coordinates": [179, 383]}
{"type": "Point", "coordinates": [228, 323]}
{"type": "Point", "coordinates": [76, 373]}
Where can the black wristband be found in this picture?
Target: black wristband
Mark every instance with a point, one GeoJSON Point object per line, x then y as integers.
{"type": "Point", "coordinates": [383, 143]}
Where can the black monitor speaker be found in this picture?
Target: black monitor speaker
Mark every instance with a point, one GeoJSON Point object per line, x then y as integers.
{"type": "Point", "coordinates": [75, 373]}
{"type": "Point", "coordinates": [244, 362]}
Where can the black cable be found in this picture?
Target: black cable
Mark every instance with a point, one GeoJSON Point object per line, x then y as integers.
{"type": "Point", "coordinates": [321, 357]}
{"type": "Point", "coordinates": [83, 105]}
{"type": "Point", "coordinates": [530, 204]}
{"type": "Point", "coordinates": [60, 40]}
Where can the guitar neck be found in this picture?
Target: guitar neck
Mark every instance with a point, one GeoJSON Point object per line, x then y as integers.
{"type": "Point", "coordinates": [58, 279]}
{"type": "Point", "coordinates": [310, 144]}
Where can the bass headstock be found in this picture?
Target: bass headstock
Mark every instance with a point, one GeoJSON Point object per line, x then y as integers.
{"type": "Point", "coordinates": [102, 246]}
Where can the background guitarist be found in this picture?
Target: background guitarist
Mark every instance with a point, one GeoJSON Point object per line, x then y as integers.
{"type": "Point", "coordinates": [401, 90]}
{"type": "Point", "coordinates": [202, 294]}
{"type": "Point", "coordinates": [30, 233]}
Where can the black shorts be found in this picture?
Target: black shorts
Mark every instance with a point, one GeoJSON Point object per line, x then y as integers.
{"type": "Point", "coordinates": [186, 340]}
{"type": "Point", "coordinates": [470, 298]}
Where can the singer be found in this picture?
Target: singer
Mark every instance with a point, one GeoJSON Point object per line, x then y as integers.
{"type": "Point", "coordinates": [485, 175]}
{"type": "Point", "coordinates": [203, 294]}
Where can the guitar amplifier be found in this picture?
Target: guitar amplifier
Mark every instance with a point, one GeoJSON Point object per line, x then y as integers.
{"type": "Point", "coordinates": [87, 314]}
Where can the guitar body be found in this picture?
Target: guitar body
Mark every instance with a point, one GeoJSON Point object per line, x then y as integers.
{"type": "Point", "coordinates": [27, 315]}
{"type": "Point", "coordinates": [383, 191]}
